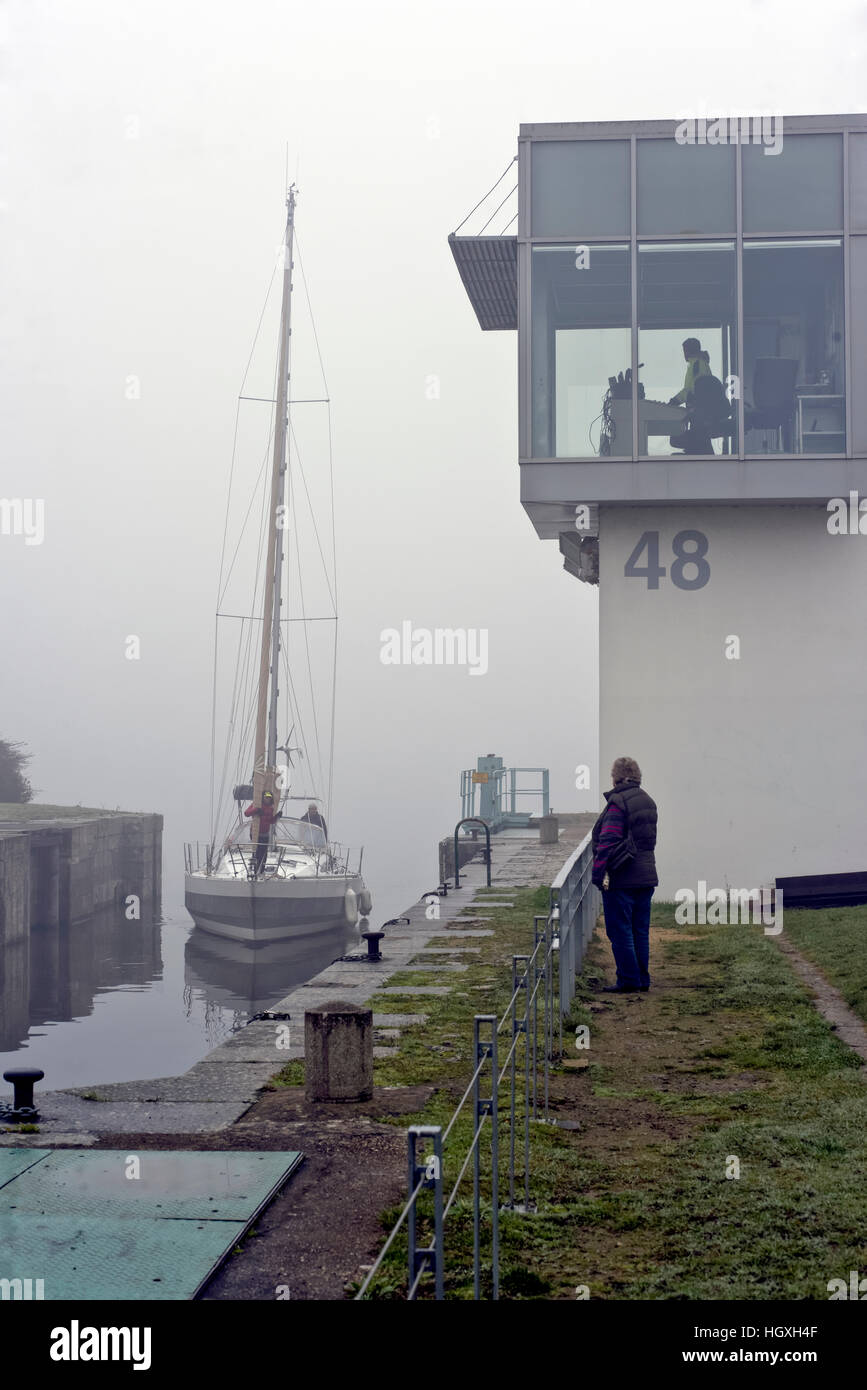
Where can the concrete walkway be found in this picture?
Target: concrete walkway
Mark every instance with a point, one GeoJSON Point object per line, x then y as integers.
{"type": "Point", "coordinates": [220, 1088]}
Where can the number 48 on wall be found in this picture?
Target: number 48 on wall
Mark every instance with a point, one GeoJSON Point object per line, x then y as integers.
{"type": "Point", "coordinates": [653, 571]}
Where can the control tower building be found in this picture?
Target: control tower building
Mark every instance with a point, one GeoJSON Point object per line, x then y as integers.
{"type": "Point", "coordinates": [690, 300]}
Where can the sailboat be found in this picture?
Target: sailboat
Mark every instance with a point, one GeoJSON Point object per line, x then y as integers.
{"type": "Point", "coordinates": [275, 876]}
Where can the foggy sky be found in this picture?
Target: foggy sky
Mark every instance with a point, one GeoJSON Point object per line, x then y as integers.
{"type": "Point", "coordinates": [144, 160]}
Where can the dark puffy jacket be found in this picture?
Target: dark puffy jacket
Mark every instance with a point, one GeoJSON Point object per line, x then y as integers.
{"type": "Point", "coordinates": [641, 814]}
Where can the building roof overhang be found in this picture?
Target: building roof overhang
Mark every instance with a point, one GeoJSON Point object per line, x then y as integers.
{"type": "Point", "coordinates": [488, 267]}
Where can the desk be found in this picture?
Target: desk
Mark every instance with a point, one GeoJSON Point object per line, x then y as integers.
{"type": "Point", "coordinates": [821, 422]}
{"type": "Point", "coordinates": [654, 417]}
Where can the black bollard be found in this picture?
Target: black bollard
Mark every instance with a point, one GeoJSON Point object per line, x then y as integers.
{"type": "Point", "coordinates": [23, 1080]}
{"type": "Point", "coordinates": [373, 939]}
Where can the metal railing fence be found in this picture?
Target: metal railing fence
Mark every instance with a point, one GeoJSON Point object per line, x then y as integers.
{"type": "Point", "coordinates": [517, 1084]}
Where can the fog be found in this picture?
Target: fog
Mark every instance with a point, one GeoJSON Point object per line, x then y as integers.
{"type": "Point", "coordinates": [146, 148]}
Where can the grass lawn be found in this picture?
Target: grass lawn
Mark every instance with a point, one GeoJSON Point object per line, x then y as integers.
{"type": "Point", "coordinates": [724, 1060]}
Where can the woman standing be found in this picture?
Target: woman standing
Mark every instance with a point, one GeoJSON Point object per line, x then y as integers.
{"type": "Point", "coordinates": [624, 867]}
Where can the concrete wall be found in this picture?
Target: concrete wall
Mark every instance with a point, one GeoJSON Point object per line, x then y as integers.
{"type": "Point", "coordinates": [66, 871]}
{"type": "Point", "coordinates": [105, 860]}
{"type": "Point", "coordinates": [14, 936]}
{"type": "Point", "coordinates": [756, 763]}
{"type": "Point", "coordinates": [62, 875]}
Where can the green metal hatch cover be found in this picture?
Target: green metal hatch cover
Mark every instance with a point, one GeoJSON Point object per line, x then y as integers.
{"type": "Point", "coordinates": [116, 1224]}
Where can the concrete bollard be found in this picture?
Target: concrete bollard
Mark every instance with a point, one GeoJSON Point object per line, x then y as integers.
{"type": "Point", "coordinates": [549, 830]}
{"type": "Point", "coordinates": [338, 1052]}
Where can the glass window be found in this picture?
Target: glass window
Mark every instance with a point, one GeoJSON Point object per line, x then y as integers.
{"type": "Point", "coordinates": [857, 306]}
{"type": "Point", "coordinates": [581, 340]}
{"type": "Point", "coordinates": [685, 188]}
{"type": "Point", "coordinates": [794, 362]}
{"type": "Point", "coordinates": [687, 331]}
{"type": "Point", "coordinates": [580, 188]}
{"type": "Point", "coordinates": [858, 182]}
{"type": "Point", "coordinates": [797, 189]}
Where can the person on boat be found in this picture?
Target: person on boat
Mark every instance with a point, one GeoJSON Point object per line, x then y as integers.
{"type": "Point", "coordinates": [267, 814]}
{"type": "Point", "coordinates": [313, 816]}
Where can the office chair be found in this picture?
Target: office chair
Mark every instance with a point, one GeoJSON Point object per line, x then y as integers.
{"type": "Point", "coordinates": [773, 405]}
{"type": "Point", "coordinates": [709, 417]}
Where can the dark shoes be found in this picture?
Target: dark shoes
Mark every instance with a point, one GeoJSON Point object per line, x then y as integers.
{"type": "Point", "coordinates": [625, 989]}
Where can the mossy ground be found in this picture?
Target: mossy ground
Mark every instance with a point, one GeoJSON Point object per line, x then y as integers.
{"type": "Point", "coordinates": [725, 1060]}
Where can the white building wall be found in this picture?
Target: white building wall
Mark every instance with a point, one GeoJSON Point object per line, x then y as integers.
{"type": "Point", "coordinates": [757, 764]}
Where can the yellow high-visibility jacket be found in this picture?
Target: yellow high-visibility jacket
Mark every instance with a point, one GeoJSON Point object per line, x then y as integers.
{"type": "Point", "coordinates": [696, 366]}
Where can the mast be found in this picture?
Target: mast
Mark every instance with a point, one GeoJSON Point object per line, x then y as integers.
{"type": "Point", "coordinates": [265, 753]}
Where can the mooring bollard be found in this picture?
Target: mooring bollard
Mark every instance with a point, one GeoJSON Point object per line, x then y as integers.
{"type": "Point", "coordinates": [549, 830]}
{"type": "Point", "coordinates": [23, 1080]}
{"type": "Point", "coordinates": [338, 1052]}
{"type": "Point", "coordinates": [373, 939]}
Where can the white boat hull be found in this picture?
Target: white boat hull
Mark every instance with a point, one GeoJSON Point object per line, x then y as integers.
{"type": "Point", "coordinates": [243, 909]}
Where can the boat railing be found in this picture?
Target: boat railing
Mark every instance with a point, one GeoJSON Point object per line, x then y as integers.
{"type": "Point", "coordinates": [337, 859]}
{"type": "Point", "coordinates": [334, 858]}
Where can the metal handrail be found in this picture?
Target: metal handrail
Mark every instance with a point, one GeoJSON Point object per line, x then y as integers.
{"type": "Point", "coordinates": [478, 821]}
{"type": "Point", "coordinates": [560, 936]}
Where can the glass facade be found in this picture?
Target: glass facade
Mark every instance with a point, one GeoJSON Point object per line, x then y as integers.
{"type": "Point", "coordinates": [684, 189]}
{"type": "Point", "coordinates": [687, 346]}
{"type": "Point", "coordinates": [581, 343]}
{"type": "Point", "coordinates": [581, 183]}
{"type": "Point", "coordinates": [799, 189]}
{"type": "Point", "coordinates": [794, 368]}
{"type": "Point", "coordinates": [712, 273]}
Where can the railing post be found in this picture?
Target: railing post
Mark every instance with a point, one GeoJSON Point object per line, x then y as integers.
{"type": "Point", "coordinates": [549, 964]}
{"type": "Point", "coordinates": [562, 956]}
{"type": "Point", "coordinates": [495, 1163]}
{"type": "Point", "coordinates": [517, 1027]}
{"type": "Point", "coordinates": [538, 974]}
{"type": "Point", "coordinates": [483, 1106]}
{"type": "Point", "coordinates": [412, 1179]}
{"type": "Point", "coordinates": [526, 1086]}
{"type": "Point", "coordinates": [438, 1214]}
{"type": "Point", "coordinates": [432, 1172]}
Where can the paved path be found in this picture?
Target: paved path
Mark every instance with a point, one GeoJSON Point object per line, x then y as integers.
{"type": "Point", "coordinates": [223, 1085]}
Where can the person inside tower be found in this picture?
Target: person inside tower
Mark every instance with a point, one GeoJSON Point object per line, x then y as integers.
{"type": "Point", "coordinates": [624, 867]}
{"type": "Point", "coordinates": [708, 411]}
{"type": "Point", "coordinates": [697, 364]}
{"type": "Point", "coordinates": [267, 814]}
{"type": "Point", "coordinates": [313, 816]}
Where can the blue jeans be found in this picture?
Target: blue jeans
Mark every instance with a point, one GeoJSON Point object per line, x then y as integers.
{"type": "Point", "coordinates": [627, 925]}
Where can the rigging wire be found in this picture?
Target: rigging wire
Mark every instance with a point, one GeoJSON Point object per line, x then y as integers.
{"type": "Point", "coordinates": [333, 534]}
{"type": "Point", "coordinates": [487, 195]}
{"type": "Point", "coordinates": [497, 209]}
{"type": "Point", "coordinates": [240, 729]}
{"type": "Point", "coordinates": [306, 632]}
{"type": "Point", "coordinates": [225, 534]}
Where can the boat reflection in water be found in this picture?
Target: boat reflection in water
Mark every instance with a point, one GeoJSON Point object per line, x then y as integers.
{"type": "Point", "coordinates": [247, 979]}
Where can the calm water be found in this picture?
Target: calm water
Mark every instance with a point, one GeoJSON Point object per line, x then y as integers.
{"type": "Point", "coordinates": [108, 1001]}
{"type": "Point", "coordinates": [122, 1001]}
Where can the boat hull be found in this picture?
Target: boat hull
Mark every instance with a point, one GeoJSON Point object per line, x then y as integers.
{"type": "Point", "coordinates": [242, 909]}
